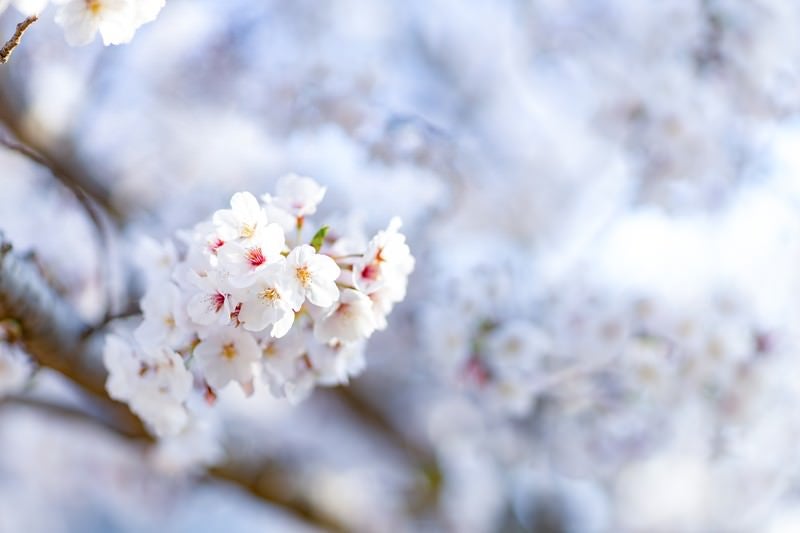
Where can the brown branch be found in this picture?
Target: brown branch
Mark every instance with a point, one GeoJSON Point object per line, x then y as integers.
{"type": "Point", "coordinates": [76, 414]}
{"type": "Point", "coordinates": [274, 482]}
{"type": "Point", "coordinates": [13, 42]}
{"type": "Point", "coordinates": [53, 333]}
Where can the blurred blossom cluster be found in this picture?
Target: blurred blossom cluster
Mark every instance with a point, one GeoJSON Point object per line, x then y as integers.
{"type": "Point", "coordinates": [598, 329]}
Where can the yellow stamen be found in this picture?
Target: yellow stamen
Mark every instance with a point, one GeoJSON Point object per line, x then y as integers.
{"type": "Point", "coordinates": [94, 6]}
{"type": "Point", "coordinates": [303, 275]}
{"type": "Point", "coordinates": [247, 231]}
{"type": "Point", "coordinates": [270, 294]}
{"type": "Point", "coordinates": [229, 351]}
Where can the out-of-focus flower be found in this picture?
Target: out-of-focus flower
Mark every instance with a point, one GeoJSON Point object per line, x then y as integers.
{"type": "Point", "coordinates": [350, 320]}
{"type": "Point", "coordinates": [155, 383]}
{"type": "Point", "coordinates": [296, 195]}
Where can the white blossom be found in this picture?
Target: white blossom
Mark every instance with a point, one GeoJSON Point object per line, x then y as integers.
{"type": "Point", "coordinates": [386, 263]}
{"type": "Point", "coordinates": [264, 303]}
{"type": "Point", "coordinates": [115, 20]}
{"type": "Point", "coordinates": [242, 260]}
{"type": "Point", "coordinates": [349, 320]}
{"type": "Point", "coordinates": [311, 276]}
{"type": "Point", "coordinates": [227, 355]}
{"type": "Point", "coordinates": [334, 363]}
{"type": "Point", "coordinates": [245, 220]}
{"type": "Point", "coordinates": [212, 303]}
{"type": "Point", "coordinates": [165, 318]}
{"type": "Point", "coordinates": [287, 369]}
{"type": "Point", "coordinates": [296, 195]}
{"type": "Point", "coordinates": [26, 7]}
{"type": "Point", "coordinates": [155, 383]}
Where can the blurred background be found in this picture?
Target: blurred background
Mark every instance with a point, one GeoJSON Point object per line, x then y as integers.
{"type": "Point", "coordinates": [602, 332]}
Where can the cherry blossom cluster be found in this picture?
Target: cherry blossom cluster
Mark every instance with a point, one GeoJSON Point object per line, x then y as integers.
{"type": "Point", "coordinates": [249, 297]}
{"type": "Point", "coordinates": [115, 20]}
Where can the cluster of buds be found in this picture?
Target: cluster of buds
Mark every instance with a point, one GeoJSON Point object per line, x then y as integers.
{"type": "Point", "coordinates": [249, 298]}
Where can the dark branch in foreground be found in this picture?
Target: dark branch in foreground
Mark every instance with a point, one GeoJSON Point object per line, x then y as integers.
{"type": "Point", "coordinates": [13, 42]}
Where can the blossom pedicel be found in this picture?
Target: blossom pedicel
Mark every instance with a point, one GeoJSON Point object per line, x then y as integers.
{"type": "Point", "coordinates": [249, 298]}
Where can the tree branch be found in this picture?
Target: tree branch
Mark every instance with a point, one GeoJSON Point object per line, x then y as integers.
{"type": "Point", "coordinates": [62, 162]}
{"type": "Point", "coordinates": [53, 334]}
{"type": "Point", "coordinates": [13, 42]}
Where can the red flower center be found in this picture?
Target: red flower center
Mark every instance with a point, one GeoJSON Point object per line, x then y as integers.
{"type": "Point", "coordinates": [219, 301]}
{"type": "Point", "coordinates": [214, 245]}
{"type": "Point", "coordinates": [256, 257]}
{"type": "Point", "coordinates": [370, 272]}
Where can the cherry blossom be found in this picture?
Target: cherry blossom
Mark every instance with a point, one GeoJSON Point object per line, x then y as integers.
{"type": "Point", "coordinates": [227, 355]}
{"type": "Point", "coordinates": [349, 320]}
{"type": "Point", "coordinates": [296, 195]}
{"type": "Point", "coordinates": [237, 300]}
{"type": "Point", "coordinates": [264, 303]}
{"type": "Point", "coordinates": [115, 20]}
{"type": "Point", "coordinates": [155, 383]}
{"type": "Point", "coordinates": [311, 276]}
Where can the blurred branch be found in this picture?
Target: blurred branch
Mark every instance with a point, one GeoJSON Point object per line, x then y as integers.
{"type": "Point", "coordinates": [76, 414]}
{"type": "Point", "coordinates": [275, 483]}
{"type": "Point", "coordinates": [52, 332]}
{"type": "Point", "coordinates": [377, 421]}
{"type": "Point", "coordinates": [61, 162]}
{"type": "Point", "coordinates": [425, 493]}
{"type": "Point", "coordinates": [95, 213]}
{"type": "Point", "coordinates": [13, 42]}
{"type": "Point", "coordinates": [79, 194]}
{"type": "Point", "coordinates": [268, 481]}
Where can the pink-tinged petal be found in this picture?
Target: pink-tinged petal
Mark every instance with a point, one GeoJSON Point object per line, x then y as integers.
{"type": "Point", "coordinates": [207, 308]}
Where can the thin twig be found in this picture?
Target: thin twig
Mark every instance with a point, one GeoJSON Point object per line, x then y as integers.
{"type": "Point", "coordinates": [11, 44]}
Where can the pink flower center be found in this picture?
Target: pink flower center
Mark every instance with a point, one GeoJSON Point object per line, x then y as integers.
{"type": "Point", "coordinates": [219, 301]}
{"type": "Point", "coordinates": [256, 257]}
{"type": "Point", "coordinates": [370, 272]}
{"type": "Point", "coordinates": [475, 372]}
{"type": "Point", "coordinates": [214, 245]}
